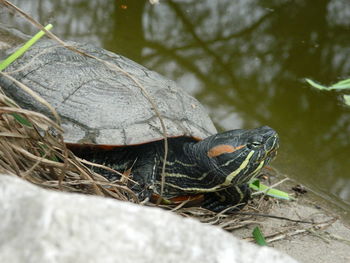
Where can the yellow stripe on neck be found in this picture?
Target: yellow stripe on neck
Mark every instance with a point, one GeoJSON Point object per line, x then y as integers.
{"type": "Point", "coordinates": [252, 175]}
{"type": "Point", "coordinates": [243, 165]}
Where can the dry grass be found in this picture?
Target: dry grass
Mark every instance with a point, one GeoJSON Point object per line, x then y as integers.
{"type": "Point", "coordinates": [31, 147]}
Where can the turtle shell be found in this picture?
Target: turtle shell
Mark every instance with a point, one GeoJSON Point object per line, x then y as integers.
{"type": "Point", "coordinates": [100, 105]}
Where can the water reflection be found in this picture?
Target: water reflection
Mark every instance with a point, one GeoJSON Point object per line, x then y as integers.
{"type": "Point", "coordinates": [245, 60]}
{"type": "Point", "coordinates": [251, 56]}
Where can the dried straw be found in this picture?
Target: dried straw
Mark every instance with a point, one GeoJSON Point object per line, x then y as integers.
{"type": "Point", "coordinates": [31, 148]}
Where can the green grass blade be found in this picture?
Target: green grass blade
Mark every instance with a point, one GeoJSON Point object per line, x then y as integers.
{"type": "Point", "coordinates": [337, 86]}
{"type": "Point", "coordinates": [44, 151]}
{"type": "Point", "coordinates": [22, 120]}
{"type": "Point", "coordinates": [343, 83]}
{"type": "Point", "coordinates": [270, 192]}
{"type": "Point", "coordinates": [316, 85]}
{"type": "Point", "coordinates": [255, 185]}
{"type": "Point", "coordinates": [19, 52]}
{"type": "Point", "coordinates": [259, 237]}
{"type": "Point", "coordinates": [346, 99]}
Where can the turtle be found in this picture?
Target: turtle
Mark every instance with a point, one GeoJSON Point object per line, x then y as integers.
{"type": "Point", "coordinates": [107, 115]}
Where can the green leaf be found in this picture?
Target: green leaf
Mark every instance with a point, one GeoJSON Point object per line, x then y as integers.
{"type": "Point", "coordinates": [346, 99]}
{"type": "Point", "coordinates": [270, 192]}
{"type": "Point", "coordinates": [259, 237]}
{"type": "Point", "coordinates": [19, 52]}
{"type": "Point", "coordinates": [316, 85]}
{"type": "Point", "coordinates": [341, 85]}
{"type": "Point", "coordinates": [54, 158]}
{"type": "Point", "coordinates": [22, 120]}
{"type": "Point", "coordinates": [256, 184]}
{"type": "Point", "coordinates": [43, 151]}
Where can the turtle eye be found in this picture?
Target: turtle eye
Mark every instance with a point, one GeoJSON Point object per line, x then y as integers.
{"type": "Point", "coordinates": [256, 142]}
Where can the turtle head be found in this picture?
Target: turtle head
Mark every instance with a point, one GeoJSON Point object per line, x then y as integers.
{"type": "Point", "coordinates": [240, 154]}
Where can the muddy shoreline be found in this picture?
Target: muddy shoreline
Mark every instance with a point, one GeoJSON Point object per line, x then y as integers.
{"type": "Point", "coordinates": [326, 240]}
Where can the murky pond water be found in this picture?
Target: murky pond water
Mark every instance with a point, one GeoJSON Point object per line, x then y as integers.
{"type": "Point", "coordinates": [245, 60]}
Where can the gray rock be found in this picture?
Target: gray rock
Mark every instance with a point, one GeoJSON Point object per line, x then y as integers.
{"type": "Point", "coordinates": [38, 225]}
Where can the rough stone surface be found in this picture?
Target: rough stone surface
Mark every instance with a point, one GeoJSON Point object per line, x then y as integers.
{"type": "Point", "coordinates": [44, 226]}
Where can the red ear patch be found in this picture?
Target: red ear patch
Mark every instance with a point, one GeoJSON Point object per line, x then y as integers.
{"type": "Point", "coordinates": [223, 148]}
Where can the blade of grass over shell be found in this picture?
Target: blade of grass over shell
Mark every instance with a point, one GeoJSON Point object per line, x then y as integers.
{"type": "Point", "coordinates": [257, 186]}
{"type": "Point", "coordinates": [259, 237]}
{"type": "Point", "coordinates": [19, 52]}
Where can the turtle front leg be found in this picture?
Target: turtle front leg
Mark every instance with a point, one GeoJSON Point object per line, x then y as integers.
{"type": "Point", "coordinates": [235, 196]}
{"type": "Point", "coordinates": [143, 191]}
{"type": "Point", "coordinates": [144, 179]}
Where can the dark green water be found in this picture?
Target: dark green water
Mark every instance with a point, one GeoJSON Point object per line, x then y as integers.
{"type": "Point", "coordinates": [244, 60]}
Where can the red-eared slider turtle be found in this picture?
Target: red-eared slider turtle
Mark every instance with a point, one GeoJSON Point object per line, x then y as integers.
{"type": "Point", "coordinates": [102, 107]}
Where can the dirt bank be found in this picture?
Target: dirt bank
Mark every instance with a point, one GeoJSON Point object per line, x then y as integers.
{"type": "Point", "coordinates": [326, 240]}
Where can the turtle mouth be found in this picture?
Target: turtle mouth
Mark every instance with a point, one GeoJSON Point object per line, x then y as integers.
{"type": "Point", "coordinates": [268, 153]}
{"type": "Point", "coordinates": [271, 148]}
{"type": "Point", "coordinates": [271, 155]}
